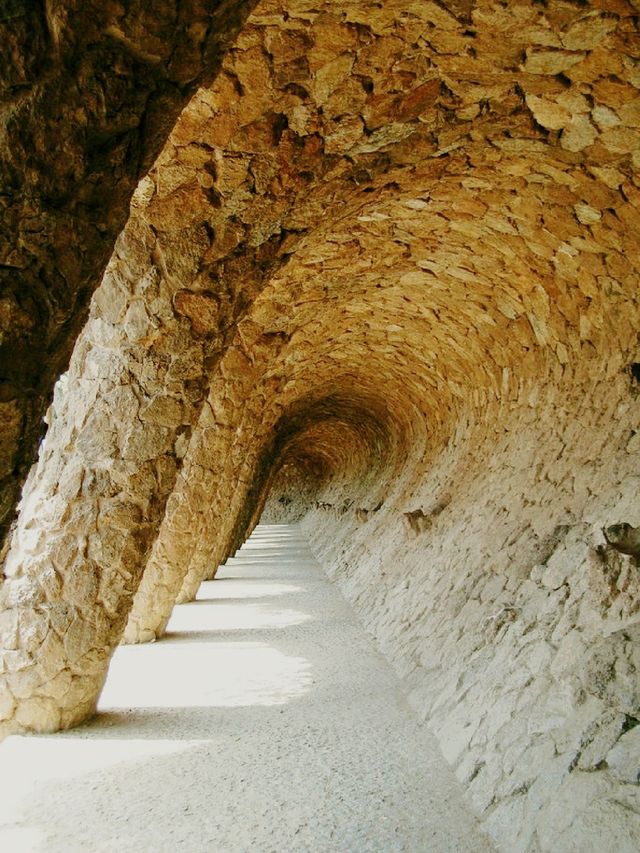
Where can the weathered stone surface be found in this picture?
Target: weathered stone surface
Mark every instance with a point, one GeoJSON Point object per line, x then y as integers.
{"type": "Point", "coordinates": [383, 278]}
{"type": "Point", "coordinates": [89, 92]}
{"type": "Point", "coordinates": [624, 758]}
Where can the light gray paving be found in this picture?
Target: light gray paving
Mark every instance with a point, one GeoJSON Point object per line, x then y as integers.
{"type": "Point", "coordinates": [264, 721]}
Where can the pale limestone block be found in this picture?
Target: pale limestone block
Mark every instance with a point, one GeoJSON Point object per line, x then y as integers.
{"type": "Point", "coordinates": [624, 758]}
{"type": "Point", "coordinates": [550, 61]}
{"type": "Point", "coordinates": [548, 113]}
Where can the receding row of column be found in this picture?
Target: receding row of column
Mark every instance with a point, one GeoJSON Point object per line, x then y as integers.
{"type": "Point", "coordinates": [344, 231]}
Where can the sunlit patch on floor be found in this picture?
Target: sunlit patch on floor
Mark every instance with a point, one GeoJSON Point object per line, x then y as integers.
{"type": "Point", "coordinates": [60, 759]}
{"type": "Point", "coordinates": [218, 616]}
{"type": "Point", "coordinates": [21, 839]}
{"type": "Point", "coordinates": [232, 588]}
{"type": "Point", "coordinates": [230, 674]}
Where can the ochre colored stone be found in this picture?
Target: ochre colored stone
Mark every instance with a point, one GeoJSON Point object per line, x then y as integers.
{"type": "Point", "coordinates": [381, 279]}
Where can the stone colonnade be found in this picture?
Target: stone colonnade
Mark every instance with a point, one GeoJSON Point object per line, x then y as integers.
{"type": "Point", "coordinates": [381, 278]}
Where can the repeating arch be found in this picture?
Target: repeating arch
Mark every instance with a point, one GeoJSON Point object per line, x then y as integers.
{"type": "Point", "coordinates": [382, 279]}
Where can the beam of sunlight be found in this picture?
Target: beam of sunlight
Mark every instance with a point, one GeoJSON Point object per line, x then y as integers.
{"type": "Point", "coordinates": [216, 616]}
{"type": "Point", "coordinates": [234, 588]}
{"type": "Point", "coordinates": [196, 674]}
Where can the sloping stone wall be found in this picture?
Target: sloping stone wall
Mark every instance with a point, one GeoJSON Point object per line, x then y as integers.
{"type": "Point", "coordinates": [488, 586]}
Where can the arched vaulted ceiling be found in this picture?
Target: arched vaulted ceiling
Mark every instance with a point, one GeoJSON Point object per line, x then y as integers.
{"type": "Point", "coordinates": [387, 256]}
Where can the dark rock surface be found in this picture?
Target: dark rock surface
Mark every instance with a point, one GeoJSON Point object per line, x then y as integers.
{"type": "Point", "coordinates": [89, 92]}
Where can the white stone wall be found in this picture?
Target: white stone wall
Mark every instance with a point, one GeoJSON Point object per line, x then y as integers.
{"type": "Point", "coordinates": [518, 641]}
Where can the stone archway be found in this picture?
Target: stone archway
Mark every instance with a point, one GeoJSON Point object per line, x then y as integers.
{"type": "Point", "coordinates": [389, 254]}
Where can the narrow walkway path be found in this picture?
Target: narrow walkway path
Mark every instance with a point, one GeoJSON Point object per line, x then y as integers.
{"type": "Point", "coordinates": [264, 721]}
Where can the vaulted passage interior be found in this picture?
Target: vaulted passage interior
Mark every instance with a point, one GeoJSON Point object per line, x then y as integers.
{"type": "Point", "coordinates": [379, 276]}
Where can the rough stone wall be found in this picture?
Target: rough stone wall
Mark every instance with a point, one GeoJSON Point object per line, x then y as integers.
{"type": "Point", "coordinates": [289, 498]}
{"type": "Point", "coordinates": [89, 92]}
{"type": "Point", "coordinates": [517, 638]}
{"type": "Point", "coordinates": [390, 255]}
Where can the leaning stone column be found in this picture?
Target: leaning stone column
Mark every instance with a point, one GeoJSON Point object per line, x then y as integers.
{"type": "Point", "coordinates": [75, 138]}
{"type": "Point", "coordinates": [92, 506]}
{"type": "Point", "coordinates": [201, 511]}
{"type": "Point", "coordinates": [218, 530]}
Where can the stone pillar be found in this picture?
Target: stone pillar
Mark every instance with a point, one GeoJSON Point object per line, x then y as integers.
{"type": "Point", "coordinates": [202, 509]}
{"type": "Point", "coordinates": [230, 516]}
{"type": "Point", "coordinates": [92, 505]}
{"type": "Point", "coordinates": [73, 144]}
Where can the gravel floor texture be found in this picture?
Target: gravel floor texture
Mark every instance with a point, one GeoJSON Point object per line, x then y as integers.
{"type": "Point", "coordinates": [264, 721]}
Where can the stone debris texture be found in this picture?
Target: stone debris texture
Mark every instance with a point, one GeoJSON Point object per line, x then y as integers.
{"type": "Point", "coordinates": [382, 279]}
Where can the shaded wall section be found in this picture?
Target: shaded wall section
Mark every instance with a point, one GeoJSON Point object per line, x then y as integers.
{"type": "Point", "coordinates": [89, 92]}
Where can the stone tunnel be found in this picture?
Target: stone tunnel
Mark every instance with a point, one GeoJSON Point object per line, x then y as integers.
{"type": "Point", "coordinates": [367, 267]}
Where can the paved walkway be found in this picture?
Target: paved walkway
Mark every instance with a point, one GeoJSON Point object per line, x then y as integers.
{"type": "Point", "coordinates": [264, 721]}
